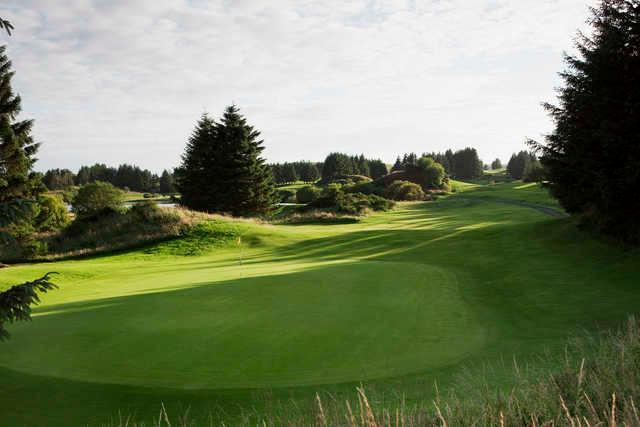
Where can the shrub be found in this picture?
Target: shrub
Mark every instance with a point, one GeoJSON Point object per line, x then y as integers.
{"type": "Point", "coordinates": [286, 195]}
{"type": "Point", "coordinates": [371, 187]}
{"type": "Point", "coordinates": [405, 190]}
{"type": "Point", "coordinates": [333, 197]}
{"type": "Point", "coordinates": [308, 194]}
{"type": "Point", "coordinates": [434, 172]}
{"type": "Point", "coordinates": [52, 213]}
{"type": "Point", "coordinates": [97, 198]}
{"type": "Point", "coordinates": [147, 196]}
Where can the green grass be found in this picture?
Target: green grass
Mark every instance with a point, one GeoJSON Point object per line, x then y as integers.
{"type": "Point", "coordinates": [241, 310]}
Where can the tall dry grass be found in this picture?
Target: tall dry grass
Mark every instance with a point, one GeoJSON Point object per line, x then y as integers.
{"type": "Point", "coordinates": [595, 383]}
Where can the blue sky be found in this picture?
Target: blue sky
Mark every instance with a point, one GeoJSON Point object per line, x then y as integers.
{"type": "Point", "coordinates": [125, 81]}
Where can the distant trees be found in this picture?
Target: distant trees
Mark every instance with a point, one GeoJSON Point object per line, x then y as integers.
{"type": "Point", "coordinates": [337, 164]}
{"type": "Point", "coordinates": [496, 164]}
{"type": "Point", "coordinates": [285, 173]}
{"type": "Point", "coordinates": [522, 163]}
{"type": "Point", "coordinates": [127, 176]}
{"type": "Point", "coordinates": [463, 164]}
{"type": "Point", "coordinates": [58, 179]}
{"type": "Point", "coordinates": [222, 169]}
{"type": "Point", "coordinates": [592, 157]}
{"type": "Point", "coordinates": [167, 185]}
{"type": "Point", "coordinates": [377, 169]}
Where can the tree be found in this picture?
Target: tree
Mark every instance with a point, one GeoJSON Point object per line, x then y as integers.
{"type": "Point", "coordinates": [592, 155]}
{"type": "Point", "coordinates": [311, 173]}
{"type": "Point", "coordinates": [397, 166]}
{"type": "Point", "coordinates": [97, 198]}
{"type": "Point", "coordinates": [377, 168]}
{"type": "Point", "coordinates": [434, 172]}
{"type": "Point", "coordinates": [221, 169]}
{"type": "Point", "coordinates": [337, 164]}
{"type": "Point", "coordinates": [289, 173]}
{"type": "Point", "coordinates": [58, 179]}
{"type": "Point", "coordinates": [166, 183]}
{"type": "Point", "coordinates": [363, 166]}
{"type": "Point", "coordinates": [519, 163]}
{"type": "Point", "coordinates": [496, 164]}
{"type": "Point", "coordinates": [466, 164]}
{"type": "Point", "coordinates": [17, 148]}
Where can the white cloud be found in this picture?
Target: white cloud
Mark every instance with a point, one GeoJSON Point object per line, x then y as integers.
{"type": "Point", "coordinates": [116, 80]}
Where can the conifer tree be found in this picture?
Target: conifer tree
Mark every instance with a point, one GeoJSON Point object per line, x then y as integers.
{"type": "Point", "coordinates": [592, 156]}
{"type": "Point", "coordinates": [222, 170]}
{"type": "Point", "coordinates": [17, 148]}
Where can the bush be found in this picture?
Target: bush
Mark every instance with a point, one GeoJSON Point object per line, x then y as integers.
{"type": "Point", "coordinates": [147, 196]}
{"type": "Point", "coordinates": [333, 197]}
{"type": "Point", "coordinates": [308, 194]}
{"type": "Point", "coordinates": [286, 195]}
{"type": "Point", "coordinates": [97, 198]}
{"type": "Point", "coordinates": [52, 213]}
{"type": "Point", "coordinates": [372, 187]}
{"type": "Point", "coordinates": [434, 172]}
{"type": "Point", "coordinates": [405, 190]}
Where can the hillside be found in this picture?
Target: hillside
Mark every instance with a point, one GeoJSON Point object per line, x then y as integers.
{"type": "Point", "coordinates": [244, 309]}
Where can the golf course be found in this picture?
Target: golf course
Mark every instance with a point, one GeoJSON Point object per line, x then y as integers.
{"type": "Point", "coordinates": [240, 308]}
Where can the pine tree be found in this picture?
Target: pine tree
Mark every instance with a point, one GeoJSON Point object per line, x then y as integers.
{"type": "Point", "coordinates": [17, 149]}
{"type": "Point", "coordinates": [592, 156]}
{"type": "Point", "coordinates": [166, 183]}
{"type": "Point", "coordinates": [397, 166]}
{"type": "Point", "coordinates": [377, 168]}
{"type": "Point", "coordinates": [222, 170]}
{"type": "Point", "coordinates": [289, 173]}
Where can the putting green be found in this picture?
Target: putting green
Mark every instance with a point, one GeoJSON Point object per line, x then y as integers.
{"type": "Point", "coordinates": [328, 325]}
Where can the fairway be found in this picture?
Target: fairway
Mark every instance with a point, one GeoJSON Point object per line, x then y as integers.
{"type": "Point", "coordinates": [418, 292]}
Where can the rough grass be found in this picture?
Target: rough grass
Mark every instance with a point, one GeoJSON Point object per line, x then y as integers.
{"type": "Point", "coordinates": [270, 315]}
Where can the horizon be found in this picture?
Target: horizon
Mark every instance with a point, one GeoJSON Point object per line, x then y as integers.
{"type": "Point", "coordinates": [127, 83]}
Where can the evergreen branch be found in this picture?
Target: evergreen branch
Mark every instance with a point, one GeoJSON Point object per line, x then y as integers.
{"type": "Point", "coordinates": [16, 302]}
{"type": "Point", "coordinates": [6, 25]}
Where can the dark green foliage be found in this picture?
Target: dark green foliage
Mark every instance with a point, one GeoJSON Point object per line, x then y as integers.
{"type": "Point", "coordinates": [334, 198]}
{"type": "Point", "coordinates": [58, 179]}
{"type": "Point", "coordinates": [337, 164]}
{"type": "Point", "coordinates": [534, 172]}
{"type": "Point", "coordinates": [52, 213]}
{"type": "Point", "coordinates": [434, 173]}
{"type": "Point", "coordinates": [308, 194]}
{"type": "Point", "coordinates": [125, 176]}
{"type": "Point", "coordinates": [404, 190]}
{"type": "Point", "coordinates": [17, 148]}
{"type": "Point", "coordinates": [377, 169]}
{"type": "Point", "coordinates": [285, 173]}
{"type": "Point", "coordinates": [222, 170]}
{"type": "Point", "coordinates": [592, 156]}
{"type": "Point", "coordinates": [466, 164]}
{"type": "Point", "coordinates": [519, 163]}
{"type": "Point", "coordinates": [286, 195]}
{"type": "Point", "coordinates": [289, 173]}
{"type": "Point", "coordinates": [496, 164]}
{"type": "Point", "coordinates": [166, 183]}
{"type": "Point", "coordinates": [97, 198]}
{"type": "Point", "coordinates": [16, 302]}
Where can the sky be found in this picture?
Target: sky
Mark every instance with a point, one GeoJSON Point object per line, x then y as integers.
{"type": "Point", "coordinates": [125, 81]}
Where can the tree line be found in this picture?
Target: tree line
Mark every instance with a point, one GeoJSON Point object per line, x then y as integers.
{"type": "Point", "coordinates": [124, 176]}
{"type": "Point", "coordinates": [461, 164]}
